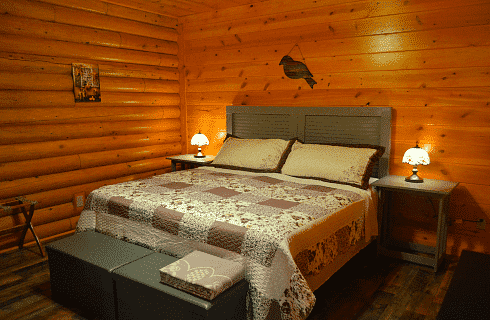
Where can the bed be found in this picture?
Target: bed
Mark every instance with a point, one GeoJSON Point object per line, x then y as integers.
{"type": "Point", "coordinates": [290, 228]}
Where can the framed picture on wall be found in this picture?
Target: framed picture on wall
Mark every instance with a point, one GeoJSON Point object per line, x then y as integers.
{"type": "Point", "coordinates": [86, 85]}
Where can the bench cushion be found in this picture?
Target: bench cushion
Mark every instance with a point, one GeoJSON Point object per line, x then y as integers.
{"type": "Point", "coordinates": [202, 274]}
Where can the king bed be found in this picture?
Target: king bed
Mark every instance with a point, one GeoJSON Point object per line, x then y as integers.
{"type": "Point", "coordinates": [288, 196]}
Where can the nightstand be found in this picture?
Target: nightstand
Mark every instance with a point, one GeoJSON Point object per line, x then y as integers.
{"type": "Point", "coordinates": [414, 252]}
{"type": "Point", "coordinates": [190, 161]}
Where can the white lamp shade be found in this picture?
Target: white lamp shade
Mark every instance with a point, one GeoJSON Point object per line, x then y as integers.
{"type": "Point", "coordinates": [416, 156]}
{"type": "Point", "coordinates": [199, 139]}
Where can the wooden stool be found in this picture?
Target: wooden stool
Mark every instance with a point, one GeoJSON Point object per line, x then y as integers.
{"type": "Point", "coordinates": [16, 206]}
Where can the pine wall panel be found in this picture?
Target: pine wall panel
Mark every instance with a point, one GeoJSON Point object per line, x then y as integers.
{"type": "Point", "coordinates": [428, 60]}
{"type": "Point", "coordinates": [52, 148]}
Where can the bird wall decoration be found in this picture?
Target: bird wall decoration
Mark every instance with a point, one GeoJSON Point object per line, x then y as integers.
{"type": "Point", "coordinates": [297, 70]}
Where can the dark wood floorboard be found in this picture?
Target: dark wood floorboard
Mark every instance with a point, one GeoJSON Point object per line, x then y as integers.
{"type": "Point", "coordinates": [366, 288]}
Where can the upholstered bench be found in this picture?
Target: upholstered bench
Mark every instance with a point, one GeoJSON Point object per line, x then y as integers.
{"type": "Point", "coordinates": [80, 270]}
{"type": "Point", "coordinates": [140, 294]}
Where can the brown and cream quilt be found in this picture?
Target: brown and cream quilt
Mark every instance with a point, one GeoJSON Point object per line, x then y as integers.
{"type": "Point", "coordinates": [283, 229]}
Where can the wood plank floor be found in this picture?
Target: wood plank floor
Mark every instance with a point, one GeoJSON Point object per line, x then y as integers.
{"type": "Point", "coordinates": [366, 288]}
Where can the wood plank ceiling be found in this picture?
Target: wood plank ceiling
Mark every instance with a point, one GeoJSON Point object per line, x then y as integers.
{"type": "Point", "coordinates": [180, 8]}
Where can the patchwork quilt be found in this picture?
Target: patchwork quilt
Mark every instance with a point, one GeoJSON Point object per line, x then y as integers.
{"type": "Point", "coordinates": [240, 216]}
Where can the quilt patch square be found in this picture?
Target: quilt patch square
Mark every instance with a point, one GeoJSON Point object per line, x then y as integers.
{"type": "Point", "coordinates": [227, 236]}
{"type": "Point", "coordinates": [119, 206]}
{"type": "Point", "coordinates": [176, 185]}
{"type": "Point", "coordinates": [223, 192]}
{"type": "Point", "coordinates": [276, 203]}
{"type": "Point", "coordinates": [167, 220]}
{"type": "Point", "coordinates": [267, 179]}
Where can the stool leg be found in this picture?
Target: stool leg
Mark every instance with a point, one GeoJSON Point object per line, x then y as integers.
{"type": "Point", "coordinates": [28, 225]}
{"type": "Point", "coordinates": [24, 232]}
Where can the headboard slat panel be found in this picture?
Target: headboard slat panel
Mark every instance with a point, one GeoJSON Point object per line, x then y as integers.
{"type": "Point", "coordinates": [265, 126]}
{"type": "Point", "coordinates": [335, 129]}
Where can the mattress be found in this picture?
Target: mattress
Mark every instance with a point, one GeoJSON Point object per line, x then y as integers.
{"type": "Point", "coordinates": [290, 233]}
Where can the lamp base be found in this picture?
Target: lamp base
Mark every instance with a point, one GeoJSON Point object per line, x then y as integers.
{"type": "Point", "coordinates": [199, 153]}
{"type": "Point", "coordinates": [414, 178]}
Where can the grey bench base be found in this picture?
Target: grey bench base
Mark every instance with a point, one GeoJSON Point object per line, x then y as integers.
{"type": "Point", "coordinates": [80, 271]}
{"type": "Point", "coordinates": [140, 295]}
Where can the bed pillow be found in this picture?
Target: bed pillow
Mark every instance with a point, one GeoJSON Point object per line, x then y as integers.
{"type": "Point", "coordinates": [257, 155]}
{"type": "Point", "coordinates": [345, 164]}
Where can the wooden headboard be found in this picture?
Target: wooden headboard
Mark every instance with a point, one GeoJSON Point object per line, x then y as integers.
{"type": "Point", "coordinates": [348, 125]}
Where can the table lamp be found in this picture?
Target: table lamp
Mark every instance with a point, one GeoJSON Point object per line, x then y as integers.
{"type": "Point", "coordinates": [415, 156]}
{"type": "Point", "coordinates": [199, 140]}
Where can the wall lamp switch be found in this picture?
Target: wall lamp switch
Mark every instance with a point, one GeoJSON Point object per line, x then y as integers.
{"type": "Point", "coordinates": [79, 200]}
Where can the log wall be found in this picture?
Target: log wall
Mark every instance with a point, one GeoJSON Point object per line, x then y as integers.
{"type": "Point", "coordinates": [426, 59]}
{"type": "Point", "coordinates": [52, 148]}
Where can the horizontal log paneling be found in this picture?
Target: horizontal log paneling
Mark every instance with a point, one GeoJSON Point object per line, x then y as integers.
{"type": "Point", "coordinates": [23, 169]}
{"type": "Point", "coordinates": [139, 85]}
{"type": "Point", "coordinates": [85, 112]}
{"type": "Point", "coordinates": [106, 7]}
{"type": "Point", "coordinates": [44, 64]}
{"type": "Point", "coordinates": [434, 19]}
{"type": "Point", "coordinates": [59, 14]}
{"type": "Point", "coordinates": [38, 167]}
{"type": "Point", "coordinates": [24, 133]}
{"type": "Point", "coordinates": [332, 8]}
{"type": "Point", "coordinates": [428, 60]}
{"type": "Point", "coordinates": [53, 148]}
{"type": "Point", "coordinates": [147, 6]}
{"type": "Point", "coordinates": [35, 81]}
{"type": "Point", "coordinates": [31, 99]}
{"type": "Point", "coordinates": [89, 160]}
{"type": "Point", "coordinates": [428, 97]}
{"type": "Point", "coordinates": [36, 150]}
{"type": "Point", "coordinates": [51, 30]}
{"type": "Point", "coordinates": [413, 60]}
{"type": "Point", "coordinates": [30, 45]}
{"type": "Point", "coordinates": [437, 78]}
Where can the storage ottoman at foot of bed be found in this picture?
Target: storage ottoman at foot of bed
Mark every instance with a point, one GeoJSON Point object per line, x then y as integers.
{"type": "Point", "coordinates": [80, 271]}
{"type": "Point", "coordinates": [141, 295]}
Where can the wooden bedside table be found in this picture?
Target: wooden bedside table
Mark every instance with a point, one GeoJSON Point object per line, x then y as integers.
{"type": "Point", "coordinates": [190, 161]}
{"type": "Point", "coordinates": [418, 253]}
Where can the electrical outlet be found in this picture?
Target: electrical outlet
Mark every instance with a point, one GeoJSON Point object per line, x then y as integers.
{"type": "Point", "coordinates": [481, 224]}
{"type": "Point", "coordinates": [79, 200]}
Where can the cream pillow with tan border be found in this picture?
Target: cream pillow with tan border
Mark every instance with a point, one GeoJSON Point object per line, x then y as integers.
{"type": "Point", "coordinates": [258, 155]}
{"type": "Point", "coordinates": [345, 164]}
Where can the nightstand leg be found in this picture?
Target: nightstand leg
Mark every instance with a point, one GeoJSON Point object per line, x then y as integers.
{"type": "Point", "coordinates": [173, 167]}
{"type": "Point", "coordinates": [383, 204]}
{"type": "Point", "coordinates": [441, 233]}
